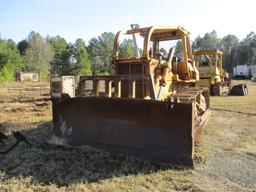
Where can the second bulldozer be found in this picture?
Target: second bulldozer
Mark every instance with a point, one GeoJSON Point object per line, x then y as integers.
{"type": "Point", "coordinates": [148, 107]}
{"type": "Point", "coordinates": [212, 74]}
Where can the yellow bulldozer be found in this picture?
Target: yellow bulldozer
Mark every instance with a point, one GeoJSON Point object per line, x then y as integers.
{"type": "Point", "coordinates": [212, 74]}
{"type": "Point", "coordinates": [148, 107]}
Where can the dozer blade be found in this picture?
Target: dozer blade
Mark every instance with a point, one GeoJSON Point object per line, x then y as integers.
{"type": "Point", "coordinates": [239, 90]}
{"type": "Point", "coordinates": [159, 131]}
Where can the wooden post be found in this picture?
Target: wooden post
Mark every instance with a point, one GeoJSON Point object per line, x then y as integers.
{"type": "Point", "coordinates": [81, 86]}
{"type": "Point", "coordinates": [96, 87]}
{"type": "Point", "coordinates": [117, 88]}
{"type": "Point", "coordinates": [108, 88]}
{"type": "Point", "coordinates": [132, 89]}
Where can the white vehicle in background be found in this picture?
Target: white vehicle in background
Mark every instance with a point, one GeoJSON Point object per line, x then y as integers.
{"type": "Point", "coordinates": [241, 71]}
{"type": "Point", "coordinates": [253, 72]}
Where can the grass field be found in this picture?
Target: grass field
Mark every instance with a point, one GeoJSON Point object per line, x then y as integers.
{"type": "Point", "coordinates": [225, 153]}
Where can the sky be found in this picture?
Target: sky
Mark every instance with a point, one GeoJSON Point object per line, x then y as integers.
{"type": "Point", "coordinates": [86, 19]}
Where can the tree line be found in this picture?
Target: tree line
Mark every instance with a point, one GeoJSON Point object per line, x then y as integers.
{"type": "Point", "coordinates": [55, 56]}
{"type": "Point", "coordinates": [235, 52]}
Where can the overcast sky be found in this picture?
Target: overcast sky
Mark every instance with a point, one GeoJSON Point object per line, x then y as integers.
{"type": "Point", "coordinates": [74, 19]}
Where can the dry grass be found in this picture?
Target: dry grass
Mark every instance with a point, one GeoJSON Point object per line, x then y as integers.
{"type": "Point", "coordinates": [225, 153]}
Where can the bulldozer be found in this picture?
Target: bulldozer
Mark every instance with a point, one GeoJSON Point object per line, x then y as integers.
{"type": "Point", "coordinates": [149, 107]}
{"type": "Point", "coordinates": [213, 76]}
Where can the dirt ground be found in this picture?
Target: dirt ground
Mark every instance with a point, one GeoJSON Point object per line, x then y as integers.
{"type": "Point", "coordinates": [225, 153]}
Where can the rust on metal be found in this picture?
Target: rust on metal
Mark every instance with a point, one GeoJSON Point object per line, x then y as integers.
{"type": "Point", "coordinates": [148, 107]}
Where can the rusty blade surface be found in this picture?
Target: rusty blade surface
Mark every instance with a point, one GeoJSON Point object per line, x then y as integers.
{"type": "Point", "coordinates": [160, 131]}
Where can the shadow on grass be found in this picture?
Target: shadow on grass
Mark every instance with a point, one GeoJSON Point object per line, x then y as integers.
{"type": "Point", "coordinates": [62, 166]}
